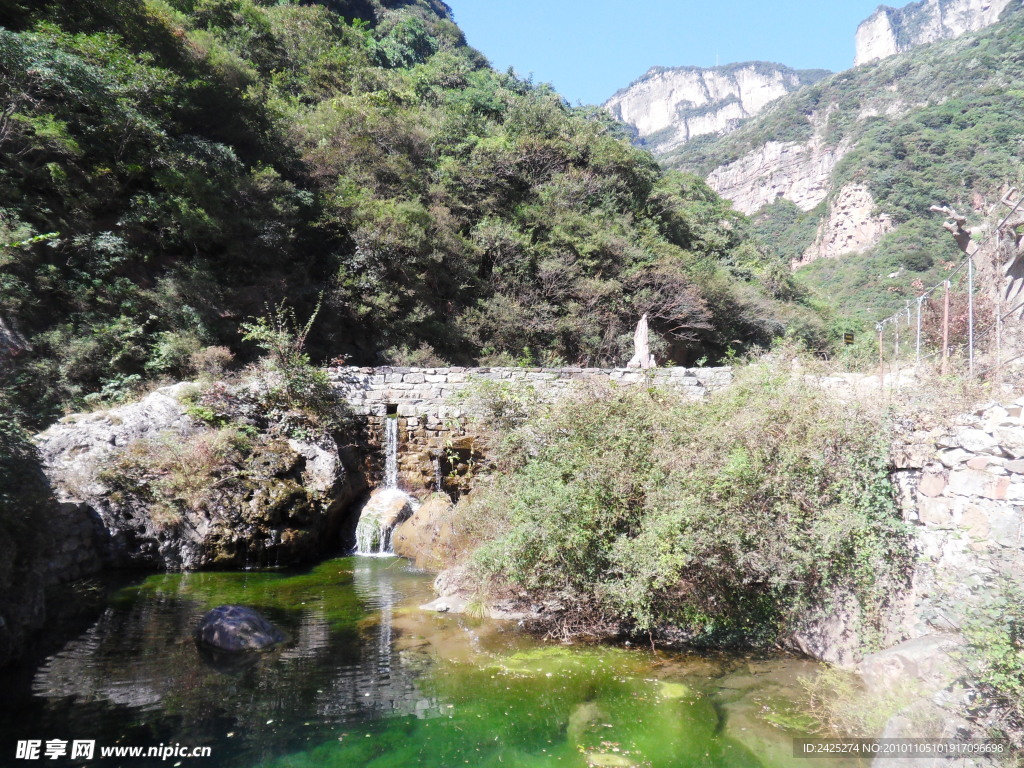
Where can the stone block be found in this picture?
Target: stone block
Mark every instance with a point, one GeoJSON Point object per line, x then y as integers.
{"type": "Point", "coordinates": [1007, 527]}
{"type": "Point", "coordinates": [414, 378]}
{"type": "Point", "coordinates": [1011, 439]}
{"type": "Point", "coordinates": [914, 455]}
{"type": "Point", "coordinates": [409, 408]}
{"type": "Point", "coordinates": [1016, 467]}
{"type": "Point", "coordinates": [977, 441]}
{"type": "Point", "coordinates": [974, 521]}
{"type": "Point", "coordinates": [971, 482]}
{"type": "Point", "coordinates": [435, 378]}
{"type": "Point", "coordinates": [938, 512]}
{"type": "Point", "coordinates": [932, 484]}
{"type": "Point", "coordinates": [393, 378]}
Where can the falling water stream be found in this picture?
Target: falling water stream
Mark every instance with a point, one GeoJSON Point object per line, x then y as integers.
{"type": "Point", "coordinates": [388, 505]}
{"type": "Point", "coordinates": [391, 453]}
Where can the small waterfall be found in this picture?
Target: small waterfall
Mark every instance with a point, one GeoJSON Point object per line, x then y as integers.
{"type": "Point", "coordinates": [391, 452]}
{"type": "Point", "coordinates": [438, 480]}
{"type": "Point", "coordinates": [387, 506]}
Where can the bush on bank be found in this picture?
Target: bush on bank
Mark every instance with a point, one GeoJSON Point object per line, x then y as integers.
{"type": "Point", "coordinates": [729, 519]}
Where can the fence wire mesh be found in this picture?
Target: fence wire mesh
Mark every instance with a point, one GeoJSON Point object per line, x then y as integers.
{"type": "Point", "coordinates": [960, 324]}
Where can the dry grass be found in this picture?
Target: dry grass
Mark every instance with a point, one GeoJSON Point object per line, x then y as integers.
{"type": "Point", "coordinates": [171, 474]}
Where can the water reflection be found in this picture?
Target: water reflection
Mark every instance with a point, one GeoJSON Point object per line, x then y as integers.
{"type": "Point", "coordinates": [370, 681]}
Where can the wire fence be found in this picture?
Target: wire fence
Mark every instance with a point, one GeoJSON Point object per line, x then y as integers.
{"type": "Point", "coordinates": [960, 324]}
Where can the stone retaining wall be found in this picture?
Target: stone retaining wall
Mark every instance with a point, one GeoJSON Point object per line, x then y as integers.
{"type": "Point", "coordinates": [433, 439]}
{"type": "Point", "coordinates": [962, 489]}
{"type": "Point", "coordinates": [418, 391]}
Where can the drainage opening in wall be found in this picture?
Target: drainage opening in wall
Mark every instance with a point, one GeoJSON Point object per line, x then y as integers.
{"type": "Point", "coordinates": [391, 409]}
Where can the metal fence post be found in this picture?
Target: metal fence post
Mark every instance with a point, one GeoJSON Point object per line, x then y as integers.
{"type": "Point", "coordinates": [970, 310]}
{"type": "Point", "coordinates": [920, 301]}
{"type": "Point", "coordinates": [881, 359]}
{"type": "Point", "coordinates": [945, 331]}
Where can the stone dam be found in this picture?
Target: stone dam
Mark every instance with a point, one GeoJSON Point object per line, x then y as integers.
{"type": "Point", "coordinates": [435, 447]}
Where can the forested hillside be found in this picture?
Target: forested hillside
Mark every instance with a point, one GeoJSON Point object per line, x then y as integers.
{"type": "Point", "coordinates": [940, 124]}
{"type": "Point", "coordinates": [172, 167]}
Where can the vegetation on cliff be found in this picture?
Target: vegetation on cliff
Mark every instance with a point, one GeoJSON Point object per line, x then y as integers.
{"type": "Point", "coordinates": [170, 167]}
{"type": "Point", "coordinates": [731, 519]}
{"type": "Point", "coordinates": [936, 125]}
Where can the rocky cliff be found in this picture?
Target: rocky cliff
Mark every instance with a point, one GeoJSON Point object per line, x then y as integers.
{"type": "Point", "coordinates": [267, 500]}
{"type": "Point", "coordinates": [889, 31]}
{"type": "Point", "coordinates": [670, 106]}
{"type": "Point", "coordinates": [799, 172]}
{"type": "Point", "coordinates": [851, 226]}
{"type": "Point", "coordinates": [864, 153]}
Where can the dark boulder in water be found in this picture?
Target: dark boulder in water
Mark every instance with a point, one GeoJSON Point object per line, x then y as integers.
{"type": "Point", "coordinates": [235, 628]}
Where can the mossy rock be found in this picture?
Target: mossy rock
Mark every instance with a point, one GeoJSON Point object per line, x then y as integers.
{"type": "Point", "coordinates": [274, 458]}
{"type": "Point", "coordinates": [275, 502]}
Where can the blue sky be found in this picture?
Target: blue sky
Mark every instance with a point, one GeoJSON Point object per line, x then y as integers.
{"type": "Point", "coordinates": [590, 48]}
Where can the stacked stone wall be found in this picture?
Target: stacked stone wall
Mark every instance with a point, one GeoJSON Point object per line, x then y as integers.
{"type": "Point", "coordinates": [433, 438]}
{"type": "Point", "coordinates": [962, 489]}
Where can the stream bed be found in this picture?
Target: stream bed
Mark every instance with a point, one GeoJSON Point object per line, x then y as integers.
{"type": "Point", "coordinates": [371, 681]}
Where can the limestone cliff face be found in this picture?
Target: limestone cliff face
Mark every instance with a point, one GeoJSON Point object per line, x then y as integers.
{"type": "Point", "coordinates": [889, 31]}
{"type": "Point", "coordinates": [852, 226]}
{"type": "Point", "coordinates": [668, 107]}
{"type": "Point", "coordinates": [799, 172]}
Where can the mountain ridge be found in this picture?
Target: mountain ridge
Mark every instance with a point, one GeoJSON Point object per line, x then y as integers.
{"type": "Point", "coordinates": [938, 124]}
{"type": "Point", "coordinates": [889, 31]}
{"type": "Point", "coordinates": [668, 106]}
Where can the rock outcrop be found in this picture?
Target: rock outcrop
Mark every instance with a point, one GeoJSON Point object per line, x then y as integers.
{"type": "Point", "coordinates": [852, 226]}
{"type": "Point", "coordinates": [889, 31]}
{"type": "Point", "coordinates": [670, 106]}
{"type": "Point", "coordinates": [426, 535]}
{"type": "Point", "coordinates": [282, 503]}
{"type": "Point", "coordinates": [798, 172]}
{"type": "Point", "coordinates": [383, 512]}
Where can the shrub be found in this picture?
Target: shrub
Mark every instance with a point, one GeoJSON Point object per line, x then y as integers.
{"type": "Point", "coordinates": [211, 361]}
{"type": "Point", "coordinates": [995, 638]}
{"type": "Point", "coordinates": [289, 381]}
{"type": "Point", "coordinates": [731, 519]}
{"type": "Point", "coordinates": [423, 356]}
{"type": "Point", "coordinates": [839, 705]}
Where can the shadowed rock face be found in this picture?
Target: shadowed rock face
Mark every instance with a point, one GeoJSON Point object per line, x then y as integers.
{"type": "Point", "coordinates": [235, 628]}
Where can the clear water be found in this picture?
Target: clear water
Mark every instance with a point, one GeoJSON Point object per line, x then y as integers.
{"type": "Point", "coordinates": [369, 680]}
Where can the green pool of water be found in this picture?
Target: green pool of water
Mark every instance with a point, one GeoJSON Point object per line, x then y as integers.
{"type": "Point", "coordinates": [370, 680]}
